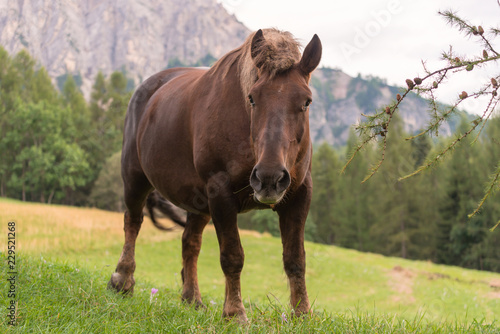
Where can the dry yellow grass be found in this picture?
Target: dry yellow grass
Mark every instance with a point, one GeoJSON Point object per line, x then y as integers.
{"type": "Point", "coordinates": [42, 227]}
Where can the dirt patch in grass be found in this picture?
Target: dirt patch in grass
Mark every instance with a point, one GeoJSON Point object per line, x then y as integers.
{"type": "Point", "coordinates": [495, 286]}
{"type": "Point", "coordinates": [401, 282]}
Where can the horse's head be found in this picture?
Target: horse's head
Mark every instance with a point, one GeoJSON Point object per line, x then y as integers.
{"type": "Point", "coordinates": [279, 108]}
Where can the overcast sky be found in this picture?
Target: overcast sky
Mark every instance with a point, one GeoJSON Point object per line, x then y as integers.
{"type": "Point", "coordinates": [384, 38]}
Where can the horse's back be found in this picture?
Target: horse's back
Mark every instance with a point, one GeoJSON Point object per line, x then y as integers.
{"type": "Point", "coordinates": [157, 131]}
{"type": "Point", "coordinates": [136, 111]}
{"type": "Point", "coordinates": [142, 96]}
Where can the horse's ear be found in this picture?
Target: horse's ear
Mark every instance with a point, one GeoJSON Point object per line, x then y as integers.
{"type": "Point", "coordinates": [256, 47]}
{"type": "Point", "coordinates": [311, 56]}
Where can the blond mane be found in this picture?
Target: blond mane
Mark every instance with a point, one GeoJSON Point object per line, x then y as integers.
{"type": "Point", "coordinates": [277, 54]}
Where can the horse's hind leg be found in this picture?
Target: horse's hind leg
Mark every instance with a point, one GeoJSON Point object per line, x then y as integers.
{"type": "Point", "coordinates": [191, 244]}
{"type": "Point", "coordinates": [136, 191]}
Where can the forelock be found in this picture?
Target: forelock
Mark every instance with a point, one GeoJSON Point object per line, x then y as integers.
{"type": "Point", "coordinates": [279, 52]}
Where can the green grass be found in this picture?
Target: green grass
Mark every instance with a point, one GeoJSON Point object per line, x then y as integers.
{"type": "Point", "coordinates": [66, 256]}
{"type": "Point", "coordinates": [64, 298]}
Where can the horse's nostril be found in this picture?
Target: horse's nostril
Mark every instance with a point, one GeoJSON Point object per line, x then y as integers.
{"type": "Point", "coordinates": [282, 175]}
{"type": "Point", "coordinates": [272, 181]}
{"type": "Point", "coordinates": [283, 181]}
{"type": "Point", "coordinates": [255, 181]}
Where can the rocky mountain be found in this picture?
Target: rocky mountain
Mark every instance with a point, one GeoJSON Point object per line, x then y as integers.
{"type": "Point", "coordinates": [341, 99]}
{"type": "Point", "coordinates": [140, 37]}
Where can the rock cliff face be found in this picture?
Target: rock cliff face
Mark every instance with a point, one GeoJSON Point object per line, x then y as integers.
{"type": "Point", "coordinates": [85, 36]}
{"type": "Point", "coordinates": [341, 99]}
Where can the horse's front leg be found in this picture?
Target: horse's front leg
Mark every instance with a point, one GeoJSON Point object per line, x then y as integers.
{"type": "Point", "coordinates": [224, 210]}
{"type": "Point", "coordinates": [292, 217]}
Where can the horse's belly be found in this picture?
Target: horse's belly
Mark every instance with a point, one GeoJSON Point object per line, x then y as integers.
{"type": "Point", "coordinates": [165, 154]}
{"type": "Point", "coordinates": [167, 163]}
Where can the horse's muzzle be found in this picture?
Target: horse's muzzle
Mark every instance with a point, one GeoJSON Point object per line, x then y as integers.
{"type": "Point", "coordinates": [269, 185]}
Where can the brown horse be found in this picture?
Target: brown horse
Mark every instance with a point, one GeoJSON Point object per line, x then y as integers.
{"type": "Point", "coordinates": [220, 141]}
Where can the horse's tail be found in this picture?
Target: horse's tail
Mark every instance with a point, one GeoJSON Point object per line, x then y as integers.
{"type": "Point", "coordinates": [155, 200]}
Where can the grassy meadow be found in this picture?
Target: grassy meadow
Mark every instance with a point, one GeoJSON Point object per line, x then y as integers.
{"type": "Point", "coordinates": [66, 255]}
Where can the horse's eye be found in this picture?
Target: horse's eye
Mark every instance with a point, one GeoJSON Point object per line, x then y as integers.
{"type": "Point", "coordinates": [306, 105]}
{"type": "Point", "coordinates": [250, 99]}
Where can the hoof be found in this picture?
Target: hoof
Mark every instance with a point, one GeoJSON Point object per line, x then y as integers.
{"type": "Point", "coordinates": [240, 316]}
{"type": "Point", "coordinates": [198, 304]}
{"type": "Point", "coordinates": [302, 312]}
{"type": "Point", "coordinates": [120, 284]}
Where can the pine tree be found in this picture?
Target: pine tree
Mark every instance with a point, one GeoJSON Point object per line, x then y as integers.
{"type": "Point", "coordinates": [108, 106]}
{"type": "Point", "coordinates": [107, 192]}
{"type": "Point", "coordinates": [43, 89]}
{"type": "Point", "coordinates": [487, 252]}
{"type": "Point", "coordinates": [24, 66]}
{"type": "Point", "coordinates": [403, 221]}
{"type": "Point", "coordinates": [325, 167]}
{"type": "Point", "coordinates": [353, 202]}
{"type": "Point", "coordinates": [463, 175]}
